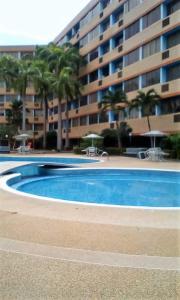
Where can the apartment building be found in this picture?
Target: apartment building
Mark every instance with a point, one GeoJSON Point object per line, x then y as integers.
{"type": "Point", "coordinates": [130, 45]}
{"type": "Point", "coordinates": [34, 114]}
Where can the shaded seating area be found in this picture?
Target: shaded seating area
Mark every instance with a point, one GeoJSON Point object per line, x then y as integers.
{"type": "Point", "coordinates": [153, 154]}
{"type": "Point", "coordinates": [94, 151]}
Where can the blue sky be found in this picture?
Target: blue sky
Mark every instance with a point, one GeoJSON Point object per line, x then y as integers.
{"type": "Point", "coordinates": [35, 21]}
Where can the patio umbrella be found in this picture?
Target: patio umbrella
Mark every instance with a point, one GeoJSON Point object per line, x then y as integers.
{"type": "Point", "coordinates": [92, 137]}
{"type": "Point", "coordinates": [23, 137]}
{"type": "Point", "coordinates": [153, 134]}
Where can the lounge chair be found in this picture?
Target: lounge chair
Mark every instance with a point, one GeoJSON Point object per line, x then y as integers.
{"type": "Point", "coordinates": [153, 154]}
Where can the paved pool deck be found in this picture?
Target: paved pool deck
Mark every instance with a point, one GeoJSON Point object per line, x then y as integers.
{"type": "Point", "coordinates": [52, 250]}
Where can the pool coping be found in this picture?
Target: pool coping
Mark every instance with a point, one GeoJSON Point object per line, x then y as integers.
{"type": "Point", "coordinates": [4, 185]}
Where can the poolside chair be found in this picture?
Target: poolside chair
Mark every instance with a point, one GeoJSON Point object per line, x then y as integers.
{"type": "Point", "coordinates": [153, 154]}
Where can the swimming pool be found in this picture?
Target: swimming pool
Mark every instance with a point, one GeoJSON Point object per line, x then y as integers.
{"type": "Point", "coordinates": [122, 187]}
{"type": "Point", "coordinates": [45, 159]}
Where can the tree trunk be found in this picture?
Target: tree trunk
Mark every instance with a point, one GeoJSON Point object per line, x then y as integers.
{"type": "Point", "coordinates": [23, 113]}
{"type": "Point", "coordinates": [149, 125]}
{"type": "Point", "coordinates": [59, 131]}
{"type": "Point", "coordinates": [67, 127]}
{"type": "Point", "coordinates": [45, 108]}
{"type": "Point", "coordinates": [118, 136]}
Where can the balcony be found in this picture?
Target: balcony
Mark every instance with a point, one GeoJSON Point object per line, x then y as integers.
{"type": "Point", "coordinates": [78, 132]}
{"type": "Point", "coordinates": [151, 62]}
{"type": "Point", "coordinates": [162, 123]}
{"type": "Point", "coordinates": [172, 89]}
{"type": "Point", "coordinates": [83, 110]}
{"type": "Point", "coordinates": [151, 32]}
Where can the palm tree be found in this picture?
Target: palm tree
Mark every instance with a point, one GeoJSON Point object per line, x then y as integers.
{"type": "Point", "coordinates": [8, 70]}
{"type": "Point", "coordinates": [14, 114]}
{"type": "Point", "coordinates": [23, 78]}
{"type": "Point", "coordinates": [115, 102]}
{"type": "Point", "coordinates": [147, 102]}
{"type": "Point", "coordinates": [42, 80]}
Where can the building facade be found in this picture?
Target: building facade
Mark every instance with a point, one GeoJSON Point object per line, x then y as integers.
{"type": "Point", "coordinates": [34, 113]}
{"type": "Point", "coordinates": [130, 45]}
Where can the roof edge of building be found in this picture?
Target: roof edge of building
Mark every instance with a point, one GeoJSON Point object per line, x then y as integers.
{"type": "Point", "coordinates": [81, 14]}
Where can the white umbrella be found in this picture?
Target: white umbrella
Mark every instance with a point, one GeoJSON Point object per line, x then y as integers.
{"type": "Point", "coordinates": [23, 137]}
{"type": "Point", "coordinates": [93, 137]}
{"type": "Point", "coordinates": [153, 134]}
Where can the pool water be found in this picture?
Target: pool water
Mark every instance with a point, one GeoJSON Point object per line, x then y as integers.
{"type": "Point", "coordinates": [45, 159]}
{"type": "Point", "coordinates": [107, 186]}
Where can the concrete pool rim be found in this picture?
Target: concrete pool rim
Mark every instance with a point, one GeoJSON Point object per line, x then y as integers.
{"type": "Point", "coordinates": [7, 178]}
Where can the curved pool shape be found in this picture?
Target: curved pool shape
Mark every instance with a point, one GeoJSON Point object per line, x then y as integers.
{"type": "Point", "coordinates": [106, 186]}
{"type": "Point", "coordinates": [43, 159]}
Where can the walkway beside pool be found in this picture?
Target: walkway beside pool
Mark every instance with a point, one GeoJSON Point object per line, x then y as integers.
{"type": "Point", "coordinates": [52, 250]}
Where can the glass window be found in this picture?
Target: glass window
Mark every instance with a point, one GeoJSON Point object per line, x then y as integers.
{"type": "Point", "coordinates": [132, 57]}
{"type": "Point", "coordinates": [173, 39]}
{"type": "Point", "coordinates": [173, 72]}
{"type": "Point", "coordinates": [84, 80]}
{"type": "Point", "coordinates": [84, 41]}
{"type": "Point", "coordinates": [75, 122]}
{"type": "Point", "coordinates": [83, 121]}
{"type": "Point", "coordinates": [173, 6]}
{"type": "Point", "coordinates": [151, 78]}
{"type": "Point", "coordinates": [131, 85]}
{"type": "Point", "coordinates": [93, 76]}
{"type": "Point", "coordinates": [93, 34]}
{"type": "Point", "coordinates": [93, 119]}
{"type": "Point", "coordinates": [132, 29]}
{"type": "Point", "coordinates": [134, 113]}
{"type": "Point", "coordinates": [83, 101]}
{"type": "Point", "coordinates": [93, 55]}
{"type": "Point", "coordinates": [170, 105]}
{"type": "Point", "coordinates": [151, 48]}
{"type": "Point", "coordinates": [1, 98]}
{"type": "Point", "coordinates": [151, 17]}
{"type": "Point", "coordinates": [103, 118]}
{"type": "Point", "coordinates": [130, 4]}
{"type": "Point", "coordinates": [93, 98]}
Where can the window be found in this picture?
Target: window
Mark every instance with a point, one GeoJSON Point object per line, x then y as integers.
{"type": "Point", "coordinates": [130, 4]}
{"type": "Point", "coordinates": [131, 85]}
{"type": "Point", "coordinates": [151, 78]}
{"type": "Point", "coordinates": [117, 65]}
{"type": "Point", "coordinates": [1, 98]}
{"type": "Point", "coordinates": [83, 101]}
{"type": "Point", "coordinates": [118, 40]}
{"type": "Point", "coordinates": [173, 6]}
{"type": "Point", "coordinates": [103, 118]}
{"type": "Point", "coordinates": [84, 41]}
{"type": "Point", "coordinates": [173, 72]}
{"type": "Point", "coordinates": [132, 29]}
{"type": "Point", "coordinates": [94, 12]}
{"type": "Point", "coordinates": [93, 34]}
{"type": "Point", "coordinates": [152, 17]}
{"type": "Point", "coordinates": [151, 48]}
{"type": "Point", "coordinates": [173, 39]}
{"type": "Point", "coordinates": [93, 119]}
{"type": "Point", "coordinates": [63, 107]}
{"type": "Point", "coordinates": [132, 57]}
{"type": "Point", "coordinates": [93, 55]}
{"type": "Point", "coordinates": [105, 25]}
{"type": "Point", "coordinates": [84, 80]}
{"type": "Point", "coordinates": [93, 98]}
{"type": "Point", "coordinates": [169, 106]}
{"type": "Point", "coordinates": [75, 122]}
{"type": "Point", "coordinates": [83, 121]}
{"type": "Point", "coordinates": [134, 113]}
{"type": "Point", "coordinates": [93, 76]}
{"type": "Point", "coordinates": [105, 71]}
{"type": "Point", "coordinates": [105, 48]}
